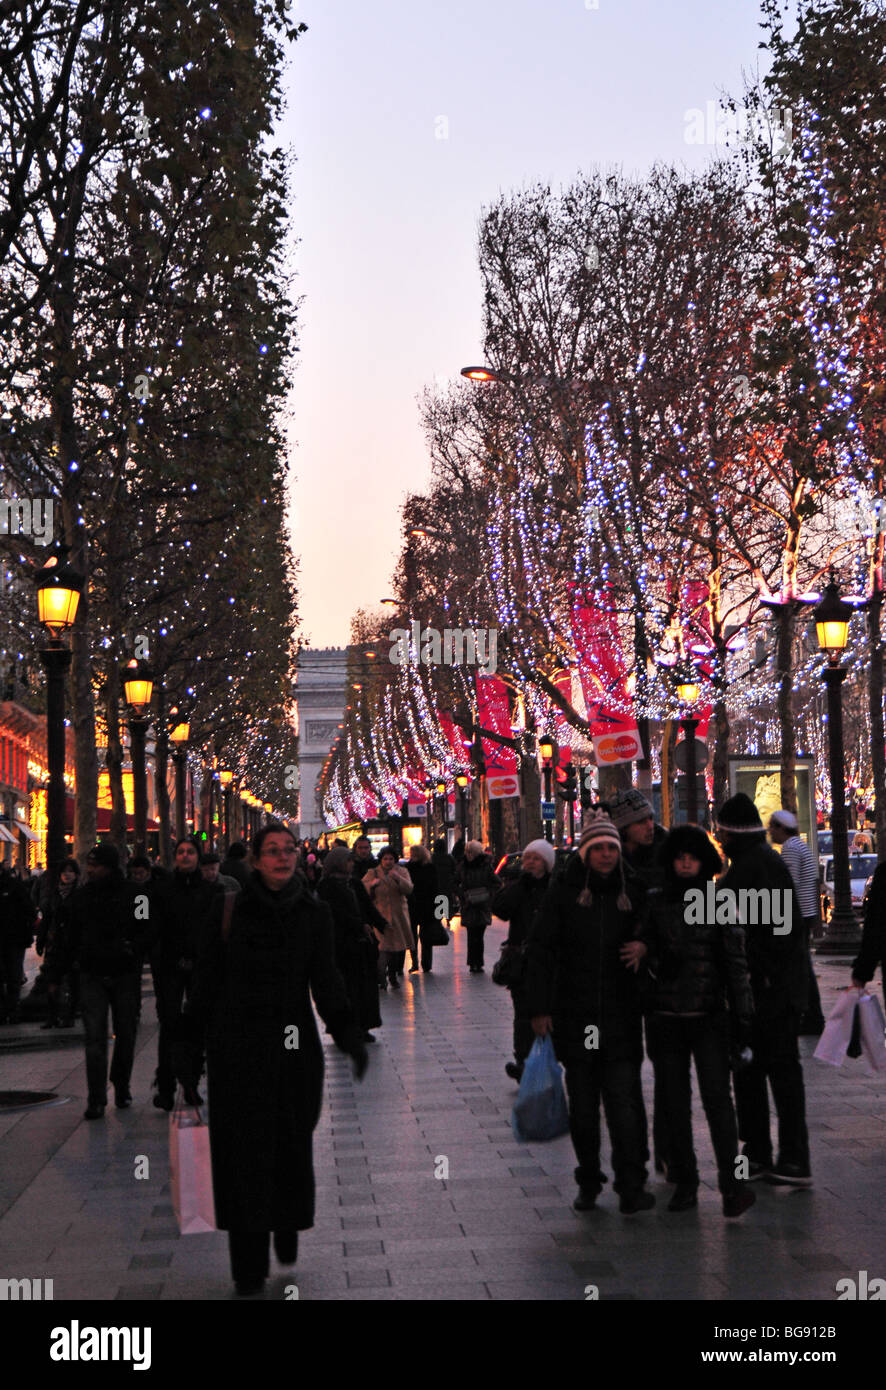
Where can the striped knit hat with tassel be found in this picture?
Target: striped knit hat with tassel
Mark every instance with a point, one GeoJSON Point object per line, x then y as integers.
{"type": "Point", "coordinates": [598, 829]}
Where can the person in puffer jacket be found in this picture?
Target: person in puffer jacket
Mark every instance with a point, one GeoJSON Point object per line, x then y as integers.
{"type": "Point", "coordinates": [583, 956]}
{"type": "Point", "coordinates": [702, 1004]}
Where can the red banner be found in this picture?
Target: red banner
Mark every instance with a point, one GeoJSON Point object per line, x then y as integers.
{"type": "Point", "coordinates": [454, 737]}
{"type": "Point", "coordinates": [603, 676]}
{"type": "Point", "coordinates": [501, 762]}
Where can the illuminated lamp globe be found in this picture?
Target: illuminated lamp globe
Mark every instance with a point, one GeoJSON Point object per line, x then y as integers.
{"type": "Point", "coordinates": [832, 622]}
{"type": "Point", "coordinates": [138, 686]}
{"type": "Point", "coordinates": [58, 596]}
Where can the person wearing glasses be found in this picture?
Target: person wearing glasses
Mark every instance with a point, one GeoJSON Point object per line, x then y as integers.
{"type": "Point", "coordinates": [268, 951]}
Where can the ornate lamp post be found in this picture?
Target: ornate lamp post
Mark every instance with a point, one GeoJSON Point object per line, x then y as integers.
{"type": "Point", "coordinates": [441, 794]}
{"type": "Point", "coordinates": [832, 630]}
{"type": "Point", "coordinates": [546, 746]}
{"type": "Point", "coordinates": [58, 595]}
{"type": "Point", "coordinates": [179, 739]}
{"type": "Point", "coordinates": [687, 693]}
{"type": "Point", "coordinates": [138, 687]}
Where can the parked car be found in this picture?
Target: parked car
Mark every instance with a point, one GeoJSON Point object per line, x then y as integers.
{"type": "Point", "coordinates": [861, 868]}
{"type": "Point", "coordinates": [825, 847]}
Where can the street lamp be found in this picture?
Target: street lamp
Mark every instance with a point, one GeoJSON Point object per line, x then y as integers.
{"type": "Point", "coordinates": [179, 739]}
{"type": "Point", "coordinates": [832, 617]}
{"type": "Point", "coordinates": [227, 778]}
{"type": "Point", "coordinates": [463, 781]}
{"type": "Point", "coordinates": [58, 596]}
{"type": "Point", "coordinates": [546, 746]}
{"type": "Point", "coordinates": [687, 693]}
{"type": "Point", "coordinates": [138, 687]}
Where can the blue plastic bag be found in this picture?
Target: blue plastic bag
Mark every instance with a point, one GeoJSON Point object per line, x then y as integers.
{"type": "Point", "coordinates": [540, 1108]}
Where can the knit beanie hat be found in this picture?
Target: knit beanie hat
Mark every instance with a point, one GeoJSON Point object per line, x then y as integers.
{"type": "Point", "coordinates": [739, 816]}
{"type": "Point", "coordinates": [627, 807]}
{"type": "Point", "coordinates": [338, 861]}
{"type": "Point", "coordinates": [598, 830]}
{"type": "Point", "coordinates": [546, 850]}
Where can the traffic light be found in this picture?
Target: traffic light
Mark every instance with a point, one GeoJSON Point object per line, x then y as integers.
{"type": "Point", "coordinates": [569, 791]}
{"type": "Point", "coordinates": [585, 789]}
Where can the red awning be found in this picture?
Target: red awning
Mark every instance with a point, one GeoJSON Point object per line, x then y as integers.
{"type": "Point", "coordinates": [104, 820]}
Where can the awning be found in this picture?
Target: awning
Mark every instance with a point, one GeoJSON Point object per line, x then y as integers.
{"type": "Point", "coordinates": [103, 821]}
{"type": "Point", "coordinates": [5, 835]}
{"type": "Point", "coordinates": [26, 830]}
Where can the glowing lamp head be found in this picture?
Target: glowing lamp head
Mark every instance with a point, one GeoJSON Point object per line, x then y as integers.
{"type": "Point", "coordinates": [688, 691]}
{"type": "Point", "coordinates": [441, 787]}
{"type": "Point", "coordinates": [462, 780]}
{"type": "Point", "coordinates": [180, 734]}
{"type": "Point", "coordinates": [832, 622]}
{"type": "Point", "coordinates": [546, 747]}
{"type": "Point", "coordinates": [480, 373]}
{"type": "Point", "coordinates": [58, 596]}
{"type": "Point", "coordinates": [268, 807]}
{"type": "Point", "coordinates": [226, 778]}
{"type": "Point", "coordinates": [138, 686]}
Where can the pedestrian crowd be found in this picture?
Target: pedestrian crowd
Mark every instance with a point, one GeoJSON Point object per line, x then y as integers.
{"type": "Point", "coordinates": [604, 956]}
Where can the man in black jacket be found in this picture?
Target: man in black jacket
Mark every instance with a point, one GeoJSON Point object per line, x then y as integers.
{"type": "Point", "coordinates": [517, 903]}
{"type": "Point", "coordinates": [759, 886]}
{"type": "Point", "coordinates": [583, 954]}
{"type": "Point", "coordinates": [109, 931]}
{"type": "Point", "coordinates": [17, 917]}
{"type": "Point", "coordinates": [182, 905]}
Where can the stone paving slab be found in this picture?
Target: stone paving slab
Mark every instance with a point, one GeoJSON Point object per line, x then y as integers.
{"type": "Point", "coordinates": [498, 1227]}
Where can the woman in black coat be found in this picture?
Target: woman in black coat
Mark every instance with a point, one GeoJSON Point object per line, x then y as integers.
{"type": "Point", "coordinates": [422, 903]}
{"type": "Point", "coordinates": [356, 954]}
{"type": "Point", "coordinates": [264, 1058]}
{"type": "Point", "coordinates": [477, 884]}
{"type": "Point", "coordinates": [702, 1004]}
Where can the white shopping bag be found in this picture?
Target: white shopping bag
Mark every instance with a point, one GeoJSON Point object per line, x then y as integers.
{"type": "Point", "coordinates": [190, 1172]}
{"type": "Point", "coordinates": [837, 1033]}
{"type": "Point", "coordinates": [873, 1042]}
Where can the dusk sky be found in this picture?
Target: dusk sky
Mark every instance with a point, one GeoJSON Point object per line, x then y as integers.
{"type": "Point", "coordinates": [407, 118]}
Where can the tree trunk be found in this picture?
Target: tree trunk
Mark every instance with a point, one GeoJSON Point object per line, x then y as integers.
{"type": "Point", "coordinates": [531, 822]}
{"type": "Point", "coordinates": [114, 757]}
{"type": "Point", "coordinates": [668, 770]}
{"type": "Point", "coordinates": [614, 778]}
{"type": "Point", "coordinates": [875, 705]}
{"type": "Point", "coordinates": [83, 721]}
{"type": "Point", "coordinates": [161, 786]}
{"type": "Point", "coordinates": [785, 706]}
{"type": "Point", "coordinates": [720, 764]}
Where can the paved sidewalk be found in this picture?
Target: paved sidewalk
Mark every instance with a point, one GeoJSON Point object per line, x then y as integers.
{"type": "Point", "coordinates": [436, 1099]}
